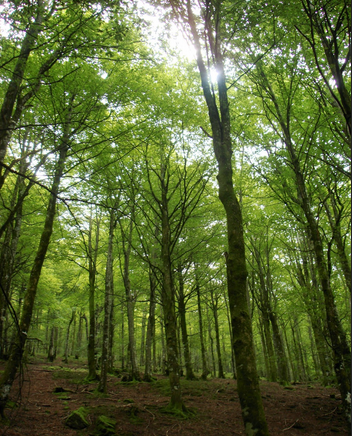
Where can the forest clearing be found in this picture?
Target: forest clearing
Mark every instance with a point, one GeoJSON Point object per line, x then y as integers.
{"type": "Point", "coordinates": [137, 407]}
{"type": "Point", "coordinates": [175, 199]}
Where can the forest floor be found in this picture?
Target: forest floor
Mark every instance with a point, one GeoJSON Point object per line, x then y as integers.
{"type": "Point", "coordinates": [300, 409]}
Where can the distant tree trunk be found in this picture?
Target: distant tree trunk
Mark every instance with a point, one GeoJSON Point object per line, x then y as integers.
{"type": "Point", "coordinates": [182, 313]}
{"type": "Point", "coordinates": [168, 301]}
{"type": "Point", "coordinates": [205, 370]}
{"type": "Point", "coordinates": [150, 329]}
{"type": "Point", "coordinates": [142, 350]}
{"type": "Point", "coordinates": [109, 290]}
{"type": "Point", "coordinates": [334, 219]}
{"type": "Point", "coordinates": [92, 260]}
{"type": "Point", "coordinates": [52, 348]}
{"type": "Point", "coordinates": [214, 308]}
{"type": "Point", "coordinates": [123, 366]}
{"type": "Point", "coordinates": [282, 365]}
{"type": "Point", "coordinates": [17, 349]}
{"type": "Point", "coordinates": [65, 359]}
{"type": "Point", "coordinates": [233, 360]}
{"type": "Point", "coordinates": [211, 340]}
{"type": "Point", "coordinates": [130, 297]}
{"type": "Point", "coordinates": [111, 335]}
{"type": "Point", "coordinates": [79, 337]}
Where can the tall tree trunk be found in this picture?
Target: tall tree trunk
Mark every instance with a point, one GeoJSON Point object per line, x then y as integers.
{"type": "Point", "coordinates": [92, 262]}
{"type": "Point", "coordinates": [150, 329]}
{"type": "Point", "coordinates": [168, 301]}
{"type": "Point", "coordinates": [205, 370]}
{"type": "Point", "coordinates": [109, 290]}
{"type": "Point", "coordinates": [142, 349]}
{"type": "Point", "coordinates": [182, 313]}
{"type": "Point", "coordinates": [130, 298]}
{"type": "Point", "coordinates": [51, 349]}
{"type": "Point", "coordinates": [214, 307]}
{"type": "Point", "coordinates": [65, 359]}
{"type": "Point", "coordinates": [247, 378]}
{"type": "Point", "coordinates": [123, 366]}
{"type": "Point", "coordinates": [17, 349]}
{"type": "Point", "coordinates": [282, 364]}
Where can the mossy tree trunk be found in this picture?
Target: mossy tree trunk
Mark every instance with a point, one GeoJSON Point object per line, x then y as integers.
{"type": "Point", "coordinates": [219, 116]}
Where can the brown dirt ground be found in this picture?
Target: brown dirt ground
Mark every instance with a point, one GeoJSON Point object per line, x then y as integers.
{"type": "Point", "coordinates": [301, 410]}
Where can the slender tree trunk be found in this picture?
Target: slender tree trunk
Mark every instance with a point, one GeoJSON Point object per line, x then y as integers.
{"type": "Point", "coordinates": [168, 301]}
{"type": "Point", "coordinates": [130, 298]}
{"type": "Point", "coordinates": [123, 366]}
{"type": "Point", "coordinates": [182, 313]}
{"type": "Point", "coordinates": [79, 337]}
{"type": "Point", "coordinates": [109, 290]}
{"type": "Point", "coordinates": [217, 334]}
{"type": "Point", "coordinates": [247, 378]}
{"type": "Point", "coordinates": [150, 329]}
{"type": "Point", "coordinates": [205, 370]}
{"type": "Point", "coordinates": [92, 259]}
{"type": "Point", "coordinates": [111, 335]}
{"type": "Point", "coordinates": [65, 359]}
{"type": "Point", "coordinates": [142, 350]}
{"type": "Point", "coordinates": [8, 376]}
{"type": "Point", "coordinates": [282, 365]}
{"type": "Point", "coordinates": [51, 350]}
{"type": "Point", "coordinates": [211, 340]}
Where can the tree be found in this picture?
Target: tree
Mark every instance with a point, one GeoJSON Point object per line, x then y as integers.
{"type": "Point", "coordinates": [219, 117]}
